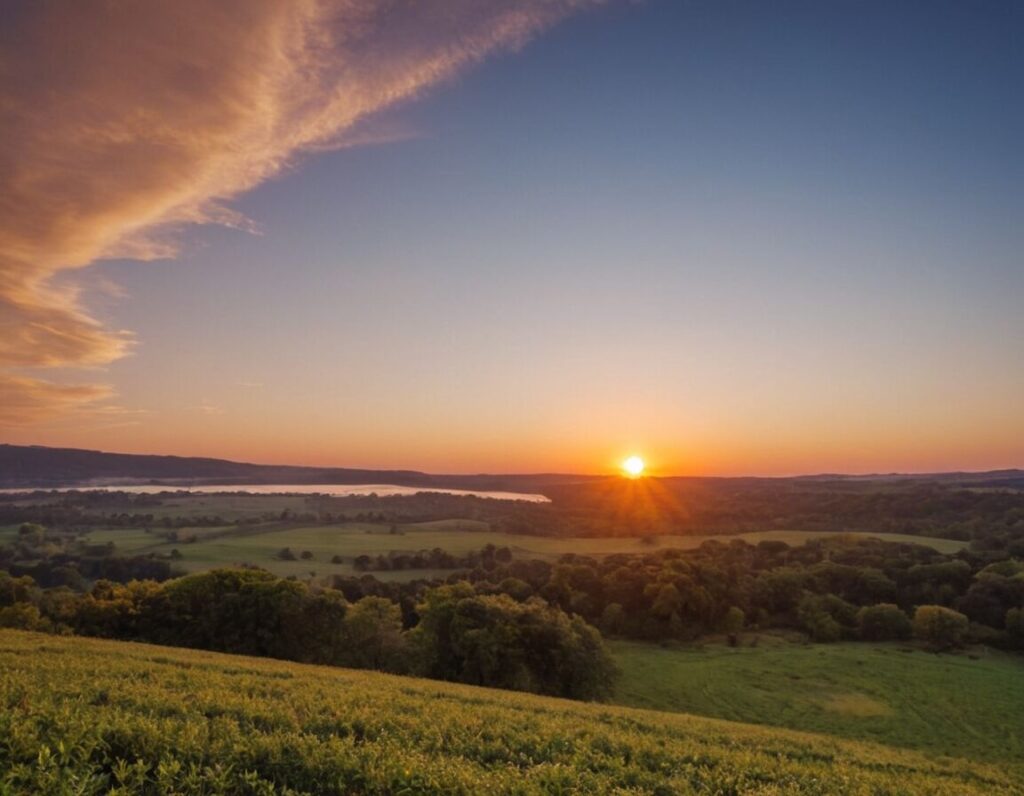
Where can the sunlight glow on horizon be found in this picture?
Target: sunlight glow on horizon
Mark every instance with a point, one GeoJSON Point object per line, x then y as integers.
{"type": "Point", "coordinates": [633, 467]}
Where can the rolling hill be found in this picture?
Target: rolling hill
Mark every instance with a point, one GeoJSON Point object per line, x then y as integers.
{"type": "Point", "coordinates": [34, 466]}
{"type": "Point", "coordinates": [87, 716]}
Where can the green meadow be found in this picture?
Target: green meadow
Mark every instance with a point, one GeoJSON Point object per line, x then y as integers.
{"type": "Point", "coordinates": [254, 545]}
{"type": "Point", "coordinates": [961, 705]}
{"type": "Point", "coordinates": [86, 716]}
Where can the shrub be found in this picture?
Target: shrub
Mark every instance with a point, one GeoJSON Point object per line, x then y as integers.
{"type": "Point", "coordinates": [883, 622]}
{"type": "Point", "coordinates": [24, 616]}
{"type": "Point", "coordinates": [1015, 627]}
{"type": "Point", "coordinates": [732, 623]}
{"type": "Point", "coordinates": [824, 617]}
{"type": "Point", "coordinates": [939, 627]}
{"type": "Point", "coordinates": [492, 640]}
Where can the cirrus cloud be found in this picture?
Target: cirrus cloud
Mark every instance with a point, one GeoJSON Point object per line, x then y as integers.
{"type": "Point", "coordinates": [123, 121]}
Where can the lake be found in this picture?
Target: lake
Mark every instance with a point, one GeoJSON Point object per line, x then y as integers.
{"type": "Point", "coordinates": [332, 490]}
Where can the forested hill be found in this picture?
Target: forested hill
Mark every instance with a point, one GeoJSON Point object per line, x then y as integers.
{"type": "Point", "coordinates": [38, 466]}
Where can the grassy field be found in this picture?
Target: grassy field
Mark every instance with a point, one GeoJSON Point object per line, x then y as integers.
{"type": "Point", "coordinates": [259, 545]}
{"type": "Point", "coordinates": [86, 716]}
{"type": "Point", "coordinates": [940, 704]}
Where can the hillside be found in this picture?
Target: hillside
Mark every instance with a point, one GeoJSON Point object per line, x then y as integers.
{"type": "Point", "coordinates": [33, 466]}
{"type": "Point", "coordinates": [83, 716]}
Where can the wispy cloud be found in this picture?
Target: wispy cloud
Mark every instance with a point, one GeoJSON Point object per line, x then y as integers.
{"type": "Point", "coordinates": [206, 408]}
{"type": "Point", "coordinates": [25, 400]}
{"type": "Point", "coordinates": [124, 121]}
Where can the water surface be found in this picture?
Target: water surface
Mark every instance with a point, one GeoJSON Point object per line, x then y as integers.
{"type": "Point", "coordinates": [331, 490]}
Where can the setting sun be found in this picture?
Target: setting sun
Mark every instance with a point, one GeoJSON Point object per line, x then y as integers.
{"type": "Point", "coordinates": [633, 466]}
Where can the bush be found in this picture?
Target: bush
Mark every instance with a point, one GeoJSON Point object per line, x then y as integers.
{"type": "Point", "coordinates": [940, 628]}
{"type": "Point", "coordinates": [1015, 627]}
{"type": "Point", "coordinates": [373, 627]}
{"type": "Point", "coordinates": [824, 617]}
{"type": "Point", "coordinates": [494, 641]}
{"type": "Point", "coordinates": [24, 616]}
{"type": "Point", "coordinates": [883, 622]}
{"type": "Point", "coordinates": [732, 624]}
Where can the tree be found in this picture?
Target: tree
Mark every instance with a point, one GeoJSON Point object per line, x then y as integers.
{"type": "Point", "coordinates": [883, 622]}
{"type": "Point", "coordinates": [1015, 627]}
{"type": "Point", "coordinates": [374, 629]}
{"type": "Point", "coordinates": [495, 641]}
{"type": "Point", "coordinates": [732, 624]}
{"type": "Point", "coordinates": [939, 627]}
{"type": "Point", "coordinates": [31, 533]}
{"type": "Point", "coordinates": [667, 600]}
{"type": "Point", "coordinates": [24, 616]}
{"type": "Point", "coordinates": [818, 623]}
{"type": "Point", "coordinates": [613, 619]}
{"type": "Point", "coordinates": [779, 590]}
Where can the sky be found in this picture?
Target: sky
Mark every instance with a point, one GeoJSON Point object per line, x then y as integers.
{"type": "Point", "coordinates": [732, 237]}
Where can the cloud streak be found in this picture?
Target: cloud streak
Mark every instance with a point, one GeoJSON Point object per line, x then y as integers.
{"type": "Point", "coordinates": [124, 121]}
{"type": "Point", "coordinates": [26, 400]}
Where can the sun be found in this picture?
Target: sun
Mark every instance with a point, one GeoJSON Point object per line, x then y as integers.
{"type": "Point", "coordinates": [633, 466]}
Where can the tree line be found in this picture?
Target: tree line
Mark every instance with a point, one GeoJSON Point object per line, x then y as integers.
{"type": "Point", "coordinates": [460, 635]}
{"type": "Point", "coordinates": [836, 588]}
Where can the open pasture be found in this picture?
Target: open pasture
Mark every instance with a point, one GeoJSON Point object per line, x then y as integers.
{"type": "Point", "coordinates": [260, 544]}
{"type": "Point", "coordinates": [889, 693]}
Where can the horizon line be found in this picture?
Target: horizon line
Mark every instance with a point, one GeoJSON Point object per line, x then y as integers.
{"type": "Point", "coordinates": [539, 474]}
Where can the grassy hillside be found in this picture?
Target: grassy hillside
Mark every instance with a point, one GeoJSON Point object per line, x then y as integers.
{"type": "Point", "coordinates": [942, 704]}
{"type": "Point", "coordinates": [84, 716]}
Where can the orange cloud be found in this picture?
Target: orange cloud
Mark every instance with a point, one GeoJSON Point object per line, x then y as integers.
{"type": "Point", "coordinates": [24, 400]}
{"type": "Point", "coordinates": [123, 121]}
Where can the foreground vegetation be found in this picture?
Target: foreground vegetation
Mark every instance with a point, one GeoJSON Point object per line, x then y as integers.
{"type": "Point", "coordinates": [83, 716]}
{"type": "Point", "coordinates": [896, 694]}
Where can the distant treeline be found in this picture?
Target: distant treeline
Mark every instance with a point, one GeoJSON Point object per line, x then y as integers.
{"type": "Point", "coordinates": [991, 519]}
{"type": "Point", "coordinates": [436, 558]}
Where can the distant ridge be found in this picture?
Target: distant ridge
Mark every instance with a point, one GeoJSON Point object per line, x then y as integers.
{"type": "Point", "coordinates": [36, 466]}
